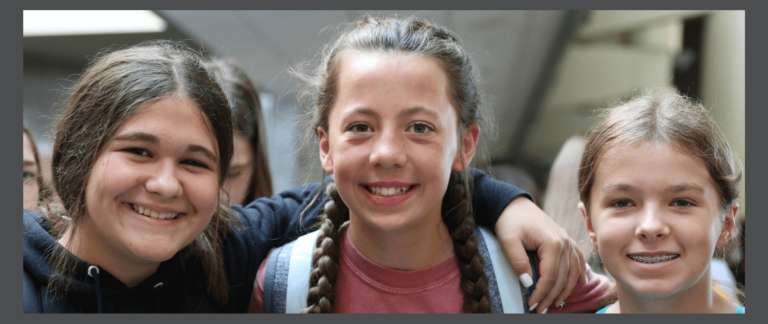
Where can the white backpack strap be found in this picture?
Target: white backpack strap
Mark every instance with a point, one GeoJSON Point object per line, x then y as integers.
{"type": "Point", "coordinates": [286, 279]}
{"type": "Point", "coordinates": [298, 273]}
{"type": "Point", "coordinates": [504, 287]}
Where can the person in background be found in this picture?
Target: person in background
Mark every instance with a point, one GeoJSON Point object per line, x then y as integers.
{"type": "Point", "coordinates": [35, 189]}
{"type": "Point", "coordinates": [249, 177]}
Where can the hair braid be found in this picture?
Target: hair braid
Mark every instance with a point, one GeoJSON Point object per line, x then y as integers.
{"type": "Point", "coordinates": [457, 215]}
{"type": "Point", "coordinates": [325, 260]}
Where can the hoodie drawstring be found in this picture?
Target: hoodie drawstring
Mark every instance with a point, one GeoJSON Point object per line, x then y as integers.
{"type": "Point", "coordinates": [98, 287]}
{"type": "Point", "coordinates": [157, 287]}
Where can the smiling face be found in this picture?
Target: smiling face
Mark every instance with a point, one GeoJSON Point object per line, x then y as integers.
{"type": "Point", "coordinates": [392, 140]}
{"type": "Point", "coordinates": [153, 189]}
{"type": "Point", "coordinates": [656, 219]}
{"type": "Point", "coordinates": [31, 188]}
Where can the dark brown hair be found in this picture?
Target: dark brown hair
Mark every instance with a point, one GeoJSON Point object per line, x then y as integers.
{"type": "Point", "coordinates": [412, 36]}
{"type": "Point", "coordinates": [113, 88]}
{"type": "Point", "coordinates": [247, 118]}
{"type": "Point", "coordinates": [664, 116]}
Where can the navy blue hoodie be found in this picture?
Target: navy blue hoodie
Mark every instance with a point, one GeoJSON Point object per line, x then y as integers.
{"type": "Point", "coordinates": [180, 284]}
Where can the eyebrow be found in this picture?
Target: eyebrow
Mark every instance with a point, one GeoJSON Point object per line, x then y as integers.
{"type": "Point", "coordinates": [407, 112]}
{"type": "Point", "coordinates": [684, 187]}
{"type": "Point", "coordinates": [620, 187]}
{"type": "Point", "coordinates": [144, 137]}
{"type": "Point", "coordinates": [138, 136]}
{"type": "Point", "coordinates": [29, 163]}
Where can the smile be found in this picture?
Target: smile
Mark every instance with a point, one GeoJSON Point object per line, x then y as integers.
{"type": "Point", "coordinates": [388, 191]}
{"type": "Point", "coordinates": [653, 259]}
{"type": "Point", "coordinates": [151, 213]}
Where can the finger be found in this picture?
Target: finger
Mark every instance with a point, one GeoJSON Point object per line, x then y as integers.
{"type": "Point", "coordinates": [548, 266]}
{"type": "Point", "coordinates": [560, 281]}
{"type": "Point", "coordinates": [575, 274]}
{"type": "Point", "coordinates": [518, 259]}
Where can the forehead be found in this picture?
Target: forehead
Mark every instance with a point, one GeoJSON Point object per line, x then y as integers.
{"type": "Point", "coordinates": [173, 118]}
{"type": "Point", "coordinates": [373, 79]}
{"type": "Point", "coordinates": [651, 166]}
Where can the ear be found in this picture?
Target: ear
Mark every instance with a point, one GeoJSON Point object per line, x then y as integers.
{"type": "Point", "coordinates": [467, 149]}
{"type": "Point", "coordinates": [729, 226]}
{"type": "Point", "coordinates": [326, 158]}
{"type": "Point", "coordinates": [588, 223]}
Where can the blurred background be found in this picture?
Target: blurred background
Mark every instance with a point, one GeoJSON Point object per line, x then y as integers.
{"type": "Point", "coordinates": [544, 73]}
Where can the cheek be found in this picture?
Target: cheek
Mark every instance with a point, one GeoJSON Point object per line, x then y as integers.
{"type": "Point", "coordinates": [203, 192]}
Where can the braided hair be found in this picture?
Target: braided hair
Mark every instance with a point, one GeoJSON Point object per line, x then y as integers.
{"type": "Point", "coordinates": [417, 37]}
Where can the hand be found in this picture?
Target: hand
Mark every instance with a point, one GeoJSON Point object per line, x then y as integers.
{"type": "Point", "coordinates": [523, 226]}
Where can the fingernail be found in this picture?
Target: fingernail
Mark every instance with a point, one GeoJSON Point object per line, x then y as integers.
{"type": "Point", "coordinates": [561, 305]}
{"type": "Point", "coordinates": [533, 307]}
{"type": "Point", "coordinates": [526, 280]}
{"type": "Point", "coordinates": [545, 310]}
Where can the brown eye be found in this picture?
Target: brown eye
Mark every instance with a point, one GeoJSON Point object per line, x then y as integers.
{"type": "Point", "coordinates": [682, 203]}
{"type": "Point", "coordinates": [420, 128]}
{"type": "Point", "coordinates": [622, 204]}
{"type": "Point", "coordinates": [359, 128]}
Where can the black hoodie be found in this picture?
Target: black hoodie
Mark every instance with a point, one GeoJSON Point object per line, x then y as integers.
{"type": "Point", "coordinates": [180, 284]}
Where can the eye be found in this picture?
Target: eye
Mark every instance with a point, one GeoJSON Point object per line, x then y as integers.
{"type": "Point", "coordinates": [28, 175]}
{"type": "Point", "coordinates": [359, 128]}
{"type": "Point", "coordinates": [682, 203]}
{"type": "Point", "coordinates": [137, 151]}
{"type": "Point", "coordinates": [420, 128]}
{"type": "Point", "coordinates": [622, 203]}
{"type": "Point", "coordinates": [196, 163]}
{"type": "Point", "coordinates": [234, 174]}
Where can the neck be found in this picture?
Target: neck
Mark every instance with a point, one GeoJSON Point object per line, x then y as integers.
{"type": "Point", "coordinates": [413, 248]}
{"type": "Point", "coordinates": [89, 248]}
{"type": "Point", "coordinates": [698, 298]}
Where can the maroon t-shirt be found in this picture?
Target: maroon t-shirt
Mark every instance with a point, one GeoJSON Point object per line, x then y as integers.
{"type": "Point", "coordinates": [365, 287]}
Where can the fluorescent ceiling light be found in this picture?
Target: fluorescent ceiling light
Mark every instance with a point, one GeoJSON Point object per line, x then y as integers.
{"type": "Point", "coordinates": [84, 22]}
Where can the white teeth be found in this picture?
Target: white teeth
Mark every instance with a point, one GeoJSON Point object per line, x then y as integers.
{"type": "Point", "coordinates": [379, 191]}
{"type": "Point", "coordinates": [153, 214]}
{"type": "Point", "coordinates": [653, 259]}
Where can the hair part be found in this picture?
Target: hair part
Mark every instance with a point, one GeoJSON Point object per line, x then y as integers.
{"type": "Point", "coordinates": [409, 36]}
{"type": "Point", "coordinates": [113, 88]}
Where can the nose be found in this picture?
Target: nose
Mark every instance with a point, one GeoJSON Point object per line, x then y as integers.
{"type": "Point", "coordinates": [388, 151]}
{"type": "Point", "coordinates": [652, 225]}
{"type": "Point", "coordinates": [164, 181]}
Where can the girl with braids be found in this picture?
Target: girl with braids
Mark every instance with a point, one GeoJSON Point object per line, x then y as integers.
{"type": "Point", "coordinates": [142, 149]}
{"type": "Point", "coordinates": [397, 114]}
{"type": "Point", "coordinates": [658, 186]}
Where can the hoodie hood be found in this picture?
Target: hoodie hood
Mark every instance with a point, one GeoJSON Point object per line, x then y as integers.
{"type": "Point", "coordinates": [167, 290]}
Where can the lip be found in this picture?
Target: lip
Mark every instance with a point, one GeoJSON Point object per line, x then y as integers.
{"type": "Point", "coordinates": [157, 209]}
{"type": "Point", "coordinates": [391, 200]}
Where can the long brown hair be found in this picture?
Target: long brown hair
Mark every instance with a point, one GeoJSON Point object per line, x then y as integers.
{"type": "Point", "coordinates": [247, 118]}
{"type": "Point", "coordinates": [413, 36]}
{"type": "Point", "coordinates": [113, 88]}
{"type": "Point", "coordinates": [664, 116]}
